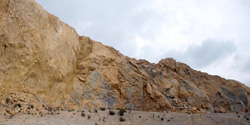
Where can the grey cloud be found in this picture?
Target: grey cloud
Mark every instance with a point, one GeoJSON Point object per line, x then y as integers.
{"type": "Point", "coordinates": [246, 67]}
{"type": "Point", "coordinates": [208, 52]}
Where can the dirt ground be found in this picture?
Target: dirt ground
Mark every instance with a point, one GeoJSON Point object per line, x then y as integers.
{"type": "Point", "coordinates": [99, 117]}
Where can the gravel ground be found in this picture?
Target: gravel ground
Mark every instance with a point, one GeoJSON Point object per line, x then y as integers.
{"type": "Point", "coordinates": [130, 117]}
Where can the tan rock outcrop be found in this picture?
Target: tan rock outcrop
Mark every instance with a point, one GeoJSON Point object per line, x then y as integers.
{"type": "Point", "coordinates": [46, 65]}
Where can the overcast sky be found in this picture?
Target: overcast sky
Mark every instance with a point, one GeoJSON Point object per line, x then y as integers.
{"type": "Point", "coordinates": [209, 35]}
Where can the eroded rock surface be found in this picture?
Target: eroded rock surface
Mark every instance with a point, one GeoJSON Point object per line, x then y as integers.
{"type": "Point", "coordinates": [45, 66]}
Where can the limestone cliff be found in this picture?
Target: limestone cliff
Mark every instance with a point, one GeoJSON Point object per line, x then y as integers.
{"type": "Point", "coordinates": [45, 65]}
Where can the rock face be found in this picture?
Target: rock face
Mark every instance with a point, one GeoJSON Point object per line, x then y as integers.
{"type": "Point", "coordinates": [45, 65]}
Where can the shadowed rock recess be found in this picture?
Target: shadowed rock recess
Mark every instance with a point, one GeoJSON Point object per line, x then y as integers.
{"type": "Point", "coordinates": [46, 66]}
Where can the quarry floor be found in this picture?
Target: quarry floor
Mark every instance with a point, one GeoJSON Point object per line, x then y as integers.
{"type": "Point", "coordinates": [100, 117]}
